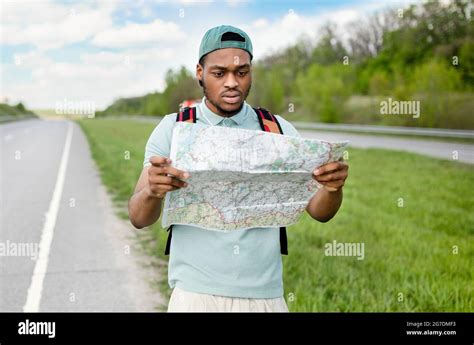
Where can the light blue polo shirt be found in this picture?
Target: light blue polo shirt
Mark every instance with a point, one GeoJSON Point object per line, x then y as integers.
{"type": "Point", "coordinates": [241, 263]}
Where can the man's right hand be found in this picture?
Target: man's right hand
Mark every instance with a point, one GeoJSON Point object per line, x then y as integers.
{"type": "Point", "coordinates": [163, 178]}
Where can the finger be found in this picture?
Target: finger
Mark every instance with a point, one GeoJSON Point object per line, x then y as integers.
{"type": "Point", "coordinates": [167, 187]}
{"type": "Point", "coordinates": [162, 189]}
{"type": "Point", "coordinates": [334, 184]}
{"type": "Point", "coordinates": [178, 183]}
{"type": "Point", "coordinates": [323, 169]}
{"type": "Point", "coordinates": [168, 180]}
{"type": "Point", "coordinates": [338, 175]}
{"type": "Point", "coordinates": [175, 172]}
{"type": "Point", "coordinates": [167, 170]}
{"type": "Point", "coordinates": [159, 161]}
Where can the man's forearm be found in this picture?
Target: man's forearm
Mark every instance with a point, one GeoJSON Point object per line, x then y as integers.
{"type": "Point", "coordinates": [143, 208]}
{"type": "Point", "coordinates": [324, 204]}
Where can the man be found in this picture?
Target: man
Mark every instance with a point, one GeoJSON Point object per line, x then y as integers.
{"type": "Point", "coordinates": [204, 270]}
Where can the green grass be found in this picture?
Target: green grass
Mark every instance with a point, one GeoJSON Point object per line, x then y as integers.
{"type": "Point", "coordinates": [408, 250]}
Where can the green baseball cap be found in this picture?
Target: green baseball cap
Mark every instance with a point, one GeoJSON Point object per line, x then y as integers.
{"type": "Point", "coordinates": [225, 36]}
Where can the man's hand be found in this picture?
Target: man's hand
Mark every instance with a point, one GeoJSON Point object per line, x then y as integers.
{"type": "Point", "coordinates": [144, 206]}
{"type": "Point", "coordinates": [326, 202]}
{"type": "Point", "coordinates": [332, 175]}
{"type": "Point", "coordinates": [163, 178]}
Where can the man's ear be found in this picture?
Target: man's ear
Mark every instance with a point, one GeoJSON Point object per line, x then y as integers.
{"type": "Point", "coordinates": [199, 71]}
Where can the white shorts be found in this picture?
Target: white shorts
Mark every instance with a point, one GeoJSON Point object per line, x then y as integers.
{"type": "Point", "coordinates": [185, 301]}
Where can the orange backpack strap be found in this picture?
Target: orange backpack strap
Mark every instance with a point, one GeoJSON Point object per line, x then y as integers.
{"type": "Point", "coordinates": [269, 123]}
{"type": "Point", "coordinates": [187, 115]}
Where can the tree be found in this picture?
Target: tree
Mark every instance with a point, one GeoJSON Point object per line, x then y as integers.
{"type": "Point", "coordinates": [322, 91]}
{"type": "Point", "coordinates": [20, 107]}
{"type": "Point", "coordinates": [329, 49]}
{"type": "Point", "coordinates": [431, 84]}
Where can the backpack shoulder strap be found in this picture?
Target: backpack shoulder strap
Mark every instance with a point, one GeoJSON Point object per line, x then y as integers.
{"type": "Point", "coordinates": [283, 241]}
{"type": "Point", "coordinates": [168, 241]}
{"type": "Point", "coordinates": [268, 121]}
{"type": "Point", "coordinates": [186, 115]}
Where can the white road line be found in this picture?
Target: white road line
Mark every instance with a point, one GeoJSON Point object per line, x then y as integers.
{"type": "Point", "coordinates": [36, 287]}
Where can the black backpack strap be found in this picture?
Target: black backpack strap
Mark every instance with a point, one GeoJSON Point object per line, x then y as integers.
{"type": "Point", "coordinates": [187, 115]}
{"type": "Point", "coordinates": [283, 241]}
{"type": "Point", "coordinates": [168, 242]}
{"type": "Point", "coordinates": [269, 123]}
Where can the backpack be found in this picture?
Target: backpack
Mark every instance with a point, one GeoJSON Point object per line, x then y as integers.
{"type": "Point", "coordinates": [268, 123]}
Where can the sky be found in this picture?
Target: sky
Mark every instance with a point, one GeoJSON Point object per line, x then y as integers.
{"type": "Point", "coordinates": [99, 51]}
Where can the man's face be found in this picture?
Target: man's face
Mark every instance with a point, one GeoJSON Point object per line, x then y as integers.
{"type": "Point", "coordinates": [226, 78]}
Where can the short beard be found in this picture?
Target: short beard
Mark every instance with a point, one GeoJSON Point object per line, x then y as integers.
{"type": "Point", "coordinates": [223, 111]}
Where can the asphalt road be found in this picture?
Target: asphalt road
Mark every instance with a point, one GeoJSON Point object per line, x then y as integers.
{"type": "Point", "coordinates": [433, 148]}
{"type": "Point", "coordinates": [51, 195]}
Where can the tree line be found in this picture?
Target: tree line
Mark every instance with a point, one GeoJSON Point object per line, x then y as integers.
{"type": "Point", "coordinates": [423, 52]}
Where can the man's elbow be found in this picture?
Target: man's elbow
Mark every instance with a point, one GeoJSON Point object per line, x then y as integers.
{"type": "Point", "coordinates": [131, 216]}
{"type": "Point", "coordinates": [323, 219]}
{"type": "Point", "coordinates": [139, 220]}
{"type": "Point", "coordinates": [136, 225]}
{"type": "Point", "coordinates": [140, 223]}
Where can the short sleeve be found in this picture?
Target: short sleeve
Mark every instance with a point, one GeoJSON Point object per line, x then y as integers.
{"type": "Point", "coordinates": [159, 142]}
{"type": "Point", "coordinates": [287, 127]}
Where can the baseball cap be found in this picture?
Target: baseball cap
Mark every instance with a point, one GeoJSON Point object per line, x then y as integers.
{"type": "Point", "coordinates": [225, 36]}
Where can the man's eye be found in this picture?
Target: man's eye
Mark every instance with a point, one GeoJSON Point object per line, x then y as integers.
{"type": "Point", "coordinates": [218, 74]}
{"type": "Point", "coordinates": [243, 73]}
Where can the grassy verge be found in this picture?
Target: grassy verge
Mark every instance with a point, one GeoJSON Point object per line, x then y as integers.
{"type": "Point", "coordinates": [412, 213]}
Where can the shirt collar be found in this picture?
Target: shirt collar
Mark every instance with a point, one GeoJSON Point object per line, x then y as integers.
{"type": "Point", "coordinates": [215, 119]}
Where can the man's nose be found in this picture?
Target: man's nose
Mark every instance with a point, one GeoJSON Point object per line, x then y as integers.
{"type": "Point", "coordinates": [231, 81]}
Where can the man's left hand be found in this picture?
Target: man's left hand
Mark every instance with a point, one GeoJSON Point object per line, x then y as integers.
{"type": "Point", "coordinates": [332, 175]}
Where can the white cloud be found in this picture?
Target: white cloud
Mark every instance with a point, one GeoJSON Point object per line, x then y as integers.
{"type": "Point", "coordinates": [271, 36]}
{"type": "Point", "coordinates": [195, 2]}
{"type": "Point", "coordinates": [235, 3]}
{"type": "Point", "coordinates": [260, 23]}
{"type": "Point", "coordinates": [139, 34]}
{"type": "Point", "coordinates": [142, 52]}
{"type": "Point", "coordinates": [98, 78]}
{"type": "Point", "coordinates": [47, 25]}
{"type": "Point", "coordinates": [130, 57]}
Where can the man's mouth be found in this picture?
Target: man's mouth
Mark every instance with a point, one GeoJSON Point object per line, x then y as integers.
{"type": "Point", "coordinates": [231, 98]}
